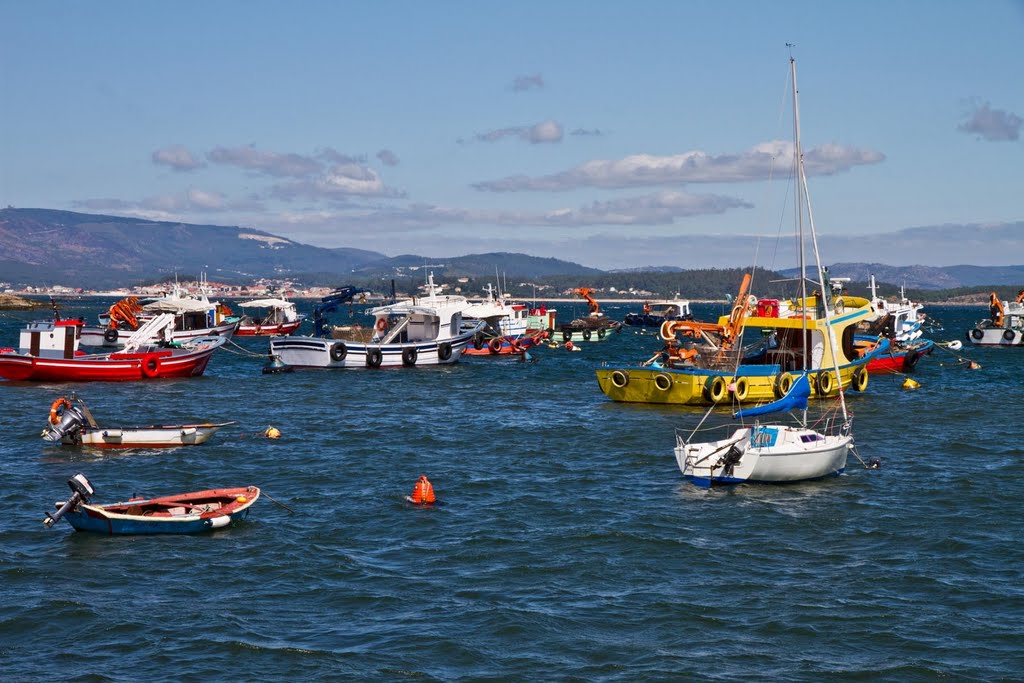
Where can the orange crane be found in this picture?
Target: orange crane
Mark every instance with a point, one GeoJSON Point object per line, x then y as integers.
{"type": "Point", "coordinates": [586, 293]}
{"type": "Point", "coordinates": [727, 334]}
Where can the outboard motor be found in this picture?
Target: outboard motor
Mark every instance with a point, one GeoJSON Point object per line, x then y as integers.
{"type": "Point", "coordinates": [82, 491]}
{"type": "Point", "coordinates": [71, 421]}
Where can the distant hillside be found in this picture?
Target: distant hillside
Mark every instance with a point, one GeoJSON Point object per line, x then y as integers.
{"type": "Point", "coordinates": [43, 246]}
{"type": "Point", "coordinates": [926, 277]}
{"type": "Point", "coordinates": [47, 247]}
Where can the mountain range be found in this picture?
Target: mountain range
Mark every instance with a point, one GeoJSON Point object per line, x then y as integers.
{"type": "Point", "coordinates": [40, 247]}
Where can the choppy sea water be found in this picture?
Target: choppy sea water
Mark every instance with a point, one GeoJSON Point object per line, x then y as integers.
{"type": "Point", "coordinates": [567, 546]}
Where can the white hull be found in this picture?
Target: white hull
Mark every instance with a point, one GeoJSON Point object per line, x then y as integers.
{"type": "Point", "coordinates": [995, 336]}
{"type": "Point", "coordinates": [788, 454]}
{"type": "Point", "coordinates": [167, 436]}
{"type": "Point", "coordinates": [312, 352]}
{"type": "Point", "coordinates": [97, 336]}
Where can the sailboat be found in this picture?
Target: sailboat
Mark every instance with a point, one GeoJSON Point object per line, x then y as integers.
{"type": "Point", "coordinates": [774, 451]}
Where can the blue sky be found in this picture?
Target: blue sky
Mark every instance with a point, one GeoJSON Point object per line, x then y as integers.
{"type": "Point", "coordinates": [611, 134]}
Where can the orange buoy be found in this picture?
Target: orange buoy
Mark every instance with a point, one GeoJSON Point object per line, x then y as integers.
{"type": "Point", "coordinates": [422, 492]}
{"type": "Point", "coordinates": [568, 346]}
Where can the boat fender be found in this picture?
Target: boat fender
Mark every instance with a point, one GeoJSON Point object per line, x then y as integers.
{"type": "Point", "coordinates": [110, 336]}
{"type": "Point", "coordinates": [586, 335]}
{"type": "Point", "coordinates": [662, 381]}
{"type": "Point", "coordinates": [374, 358]}
{"type": "Point", "coordinates": [742, 389]}
{"type": "Point", "coordinates": [977, 334]}
{"type": "Point", "coordinates": [717, 388]}
{"type": "Point", "coordinates": [600, 333]}
{"type": "Point", "coordinates": [860, 379]}
{"type": "Point", "coordinates": [823, 383]}
{"type": "Point", "coordinates": [567, 335]}
{"type": "Point", "coordinates": [409, 356]}
{"type": "Point", "coordinates": [494, 346]}
{"type": "Point", "coordinates": [444, 351]}
{"type": "Point", "coordinates": [151, 366]}
{"type": "Point", "coordinates": [382, 325]}
{"type": "Point", "coordinates": [338, 351]}
{"type": "Point", "coordinates": [910, 360]}
{"type": "Point", "coordinates": [620, 378]}
{"type": "Point", "coordinates": [478, 341]}
{"type": "Point", "coordinates": [1009, 335]}
{"type": "Point", "coordinates": [218, 522]}
{"type": "Point", "coordinates": [784, 384]}
{"type": "Point", "coordinates": [840, 306]}
{"type": "Point", "coordinates": [58, 408]}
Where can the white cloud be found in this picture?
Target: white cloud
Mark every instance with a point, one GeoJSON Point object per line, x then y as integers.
{"type": "Point", "coordinates": [994, 125]}
{"type": "Point", "coordinates": [387, 157]}
{"type": "Point", "coordinates": [545, 131]}
{"type": "Point", "coordinates": [645, 170]}
{"type": "Point", "coordinates": [177, 157]}
{"type": "Point", "coordinates": [269, 163]}
{"type": "Point", "coordinates": [522, 83]}
{"type": "Point", "coordinates": [339, 181]}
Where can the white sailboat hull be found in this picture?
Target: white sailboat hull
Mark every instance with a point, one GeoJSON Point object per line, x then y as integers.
{"type": "Point", "coordinates": [765, 453]}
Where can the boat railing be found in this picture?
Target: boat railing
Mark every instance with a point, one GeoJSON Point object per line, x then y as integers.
{"type": "Point", "coordinates": [395, 331]}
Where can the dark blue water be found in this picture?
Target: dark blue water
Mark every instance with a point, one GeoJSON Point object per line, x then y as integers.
{"type": "Point", "coordinates": [567, 546]}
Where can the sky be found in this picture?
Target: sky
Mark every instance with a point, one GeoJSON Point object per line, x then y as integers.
{"type": "Point", "coordinates": [611, 134]}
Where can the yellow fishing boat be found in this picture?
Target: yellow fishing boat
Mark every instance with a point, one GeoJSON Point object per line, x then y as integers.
{"type": "Point", "coordinates": [704, 373]}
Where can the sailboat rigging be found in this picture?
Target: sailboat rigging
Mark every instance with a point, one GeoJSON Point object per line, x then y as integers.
{"type": "Point", "coordinates": [777, 452]}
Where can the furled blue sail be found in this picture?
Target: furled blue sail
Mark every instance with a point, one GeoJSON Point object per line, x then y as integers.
{"type": "Point", "coordinates": [795, 398]}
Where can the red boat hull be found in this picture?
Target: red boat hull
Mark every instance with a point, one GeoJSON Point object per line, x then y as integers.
{"type": "Point", "coordinates": [281, 330]}
{"type": "Point", "coordinates": [115, 367]}
{"type": "Point", "coordinates": [900, 361]}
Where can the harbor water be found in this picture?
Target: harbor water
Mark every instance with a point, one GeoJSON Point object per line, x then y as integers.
{"type": "Point", "coordinates": [566, 545]}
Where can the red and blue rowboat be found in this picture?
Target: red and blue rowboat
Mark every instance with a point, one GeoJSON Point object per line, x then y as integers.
{"type": "Point", "coordinates": [184, 513]}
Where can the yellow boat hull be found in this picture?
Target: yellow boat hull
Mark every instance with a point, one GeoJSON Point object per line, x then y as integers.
{"type": "Point", "coordinates": [702, 387]}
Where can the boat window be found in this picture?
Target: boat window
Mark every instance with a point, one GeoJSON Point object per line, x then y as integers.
{"type": "Point", "coordinates": [810, 438]}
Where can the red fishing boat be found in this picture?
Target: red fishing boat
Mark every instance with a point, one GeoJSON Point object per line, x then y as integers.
{"type": "Point", "coordinates": [49, 353]}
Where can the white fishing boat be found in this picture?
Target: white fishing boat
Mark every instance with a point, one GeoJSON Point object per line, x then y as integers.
{"type": "Point", "coordinates": [654, 313]}
{"type": "Point", "coordinates": [501, 318]}
{"type": "Point", "coordinates": [420, 331]}
{"type": "Point", "coordinates": [774, 451]}
{"type": "Point", "coordinates": [1003, 327]}
{"type": "Point", "coordinates": [195, 316]}
{"type": "Point", "coordinates": [900, 320]}
{"type": "Point", "coordinates": [268, 318]}
{"type": "Point", "coordinates": [71, 422]}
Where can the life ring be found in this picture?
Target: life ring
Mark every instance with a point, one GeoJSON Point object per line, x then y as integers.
{"type": "Point", "coordinates": [55, 411]}
{"type": "Point", "coordinates": [586, 335]}
{"type": "Point", "coordinates": [338, 351]}
{"type": "Point", "coordinates": [409, 355]}
{"type": "Point", "coordinates": [620, 378]}
{"type": "Point", "coordinates": [662, 381]}
{"type": "Point", "coordinates": [860, 379]}
{"type": "Point", "coordinates": [494, 346]}
{"type": "Point", "coordinates": [151, 365]}
{"type": "Point", "coordinates": [784, 384]}
{"type": "Point", "coordinates": [840, 306]}
{"type": "Point", "coordinates": [600, 333]}
{"type": "Point", "coordinates": [110, 336]}
{"type": "Point", "coordinates": [382, 325]}
{"type": "Point", "coordinates": [823, 382]}
{"type": "Point", "coordinates": [977, 334]}
{"type": "Point", "coordinates": [1009, 335]}
{"type": "Point", "coordinates": [374, 358]}
{"type": "Point", "coordinates": [742, 389]}
{"type": "Point", "coordinates": [717, 388]}
{"type": "Point", "coordinates": [444, 351]}
{"type": "Point", "coordinates": [567, 335]}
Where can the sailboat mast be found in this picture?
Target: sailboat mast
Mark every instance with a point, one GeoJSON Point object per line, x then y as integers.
{"type": "Point", "coordinates": [826, 305]}
{"type": "Point", "coordinates": [798, 204]}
